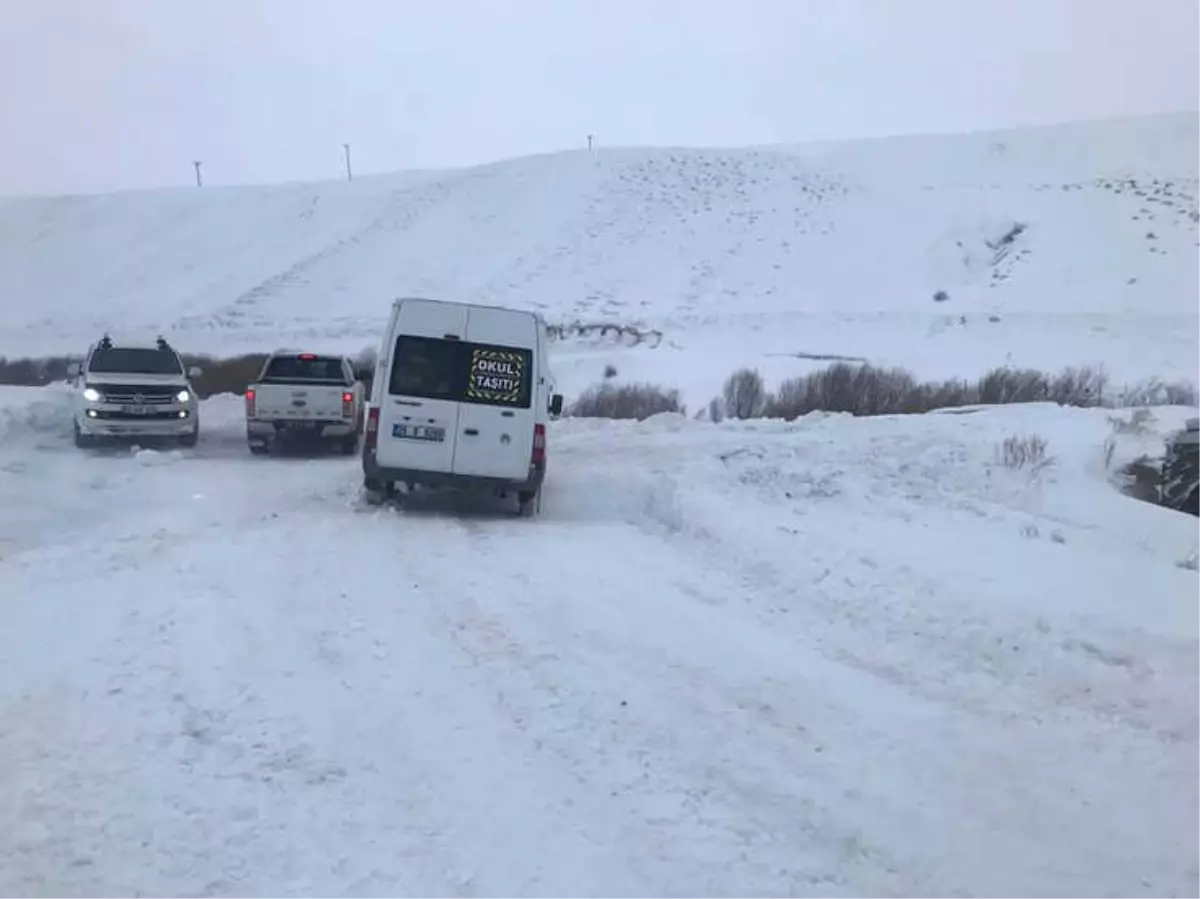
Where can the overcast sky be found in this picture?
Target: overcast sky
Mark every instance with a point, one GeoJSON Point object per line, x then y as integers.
{"type": "Point", "coordinates": [109, 94]}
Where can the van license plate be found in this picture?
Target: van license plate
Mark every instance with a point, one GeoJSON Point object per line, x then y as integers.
{"type": "Point", "coordinates": [419, 432]}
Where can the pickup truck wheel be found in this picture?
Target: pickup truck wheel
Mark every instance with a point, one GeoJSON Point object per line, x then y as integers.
{"type": "Point", "coordinates": [189, 439]}
{"type": "Point", "coordinates": [82, 440]}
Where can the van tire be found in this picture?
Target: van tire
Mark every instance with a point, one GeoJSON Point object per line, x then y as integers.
{"type": "Point", "coordinates": [376, 493]}
{"type": "Point", "coordinates": [529, 503]}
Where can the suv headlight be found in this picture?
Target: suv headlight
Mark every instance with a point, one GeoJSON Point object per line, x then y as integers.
{"type": "Point", "coordinates": [183, 396]}
{"type": "Point", "coordinates": [91, 394]}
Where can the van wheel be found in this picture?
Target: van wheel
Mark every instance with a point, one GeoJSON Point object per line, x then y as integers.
{"type": "Point", "coordinates": [376, 493]}
{"type": "Point", "coordinates": [529, 503]}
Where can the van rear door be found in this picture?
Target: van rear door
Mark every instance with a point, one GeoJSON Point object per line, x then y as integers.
{"type": "Point", "coordinates": [495, 424]}
{"type": "Point", "coordinates": [419, 408]}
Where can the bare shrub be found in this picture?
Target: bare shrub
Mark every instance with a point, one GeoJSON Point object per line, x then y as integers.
{"type": "Point", "coordinates": [610, 371]}
{"type": "Point", "coordinates": [857, 389]}
{"type": "Point", "coordinates": [26, 372]}
{"type": "Point", "coordinates": [1024, 452]}
{"type": "Point", "coordinates": [1156, 392]}
{"type": "Point", "coordinates": [219, 376]}
{"type": "Point", "coordinates": [715, 412]}
{"type": "Point", "coordinates": [1110, 447]}
{"type": "Point", "coordinates": [1137, 422]}
{"type": "Point", "coordinates": [744, 394]}
{"type": "Point", "coordinates": [637, 401]}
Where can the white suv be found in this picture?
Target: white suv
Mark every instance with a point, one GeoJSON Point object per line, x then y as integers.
{"type": "Point", "coordinates": [133, 390]}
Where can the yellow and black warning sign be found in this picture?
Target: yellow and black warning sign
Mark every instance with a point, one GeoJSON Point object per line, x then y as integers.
{"type": "Point", "coordinates": [496, 376]}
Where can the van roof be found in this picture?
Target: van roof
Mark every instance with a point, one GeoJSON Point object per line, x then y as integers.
{"type": "Point", "coordinates": [400, 300]}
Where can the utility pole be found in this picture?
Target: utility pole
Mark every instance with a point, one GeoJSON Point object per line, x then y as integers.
{"type": "Point", "coordinates": [199, 181]}
{"type": "Point", "coordinates": [591, 138]}
{"type": "Point", "coordinates": [349, 171]}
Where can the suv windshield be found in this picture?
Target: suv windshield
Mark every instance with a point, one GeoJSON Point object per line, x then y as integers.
{"type": "Point", "coordinates": [306, 368]}
{"type": "Point", "coordinates": [135, 360]}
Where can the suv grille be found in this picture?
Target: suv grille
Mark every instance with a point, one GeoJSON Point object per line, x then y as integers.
{"type": "Point", "coordinates": [138, 394]}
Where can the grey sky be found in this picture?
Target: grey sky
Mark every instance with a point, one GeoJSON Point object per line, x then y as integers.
{"type": "Point", "coordinates": [109, 94]}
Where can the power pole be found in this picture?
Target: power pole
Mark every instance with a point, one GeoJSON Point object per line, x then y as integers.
{"type": "Point", "coordinates": [591, 138]}
{"type": "Point", "coordinates": [349, 171]}
{"type": "Point", "coordinates": [199, 180]}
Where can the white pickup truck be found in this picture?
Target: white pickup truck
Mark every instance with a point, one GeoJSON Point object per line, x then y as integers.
{"type": "Point", "coordinates": [305, 396]}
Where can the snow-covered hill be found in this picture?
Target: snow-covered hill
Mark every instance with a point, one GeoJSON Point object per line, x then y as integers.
{"type": "Point", "coordinates": [1048, 246]}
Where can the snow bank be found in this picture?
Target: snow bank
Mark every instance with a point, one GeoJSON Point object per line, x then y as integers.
{"type": "Point", "coordinates": [32, 413]}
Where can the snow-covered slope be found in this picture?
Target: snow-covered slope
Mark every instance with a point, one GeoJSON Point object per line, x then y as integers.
{"type": "Point", "coordinates": [833, 657]}
{"type": "Point", "coordinates": [1052, 246]}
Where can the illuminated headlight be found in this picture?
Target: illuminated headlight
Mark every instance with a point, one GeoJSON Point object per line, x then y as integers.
{"type": "Point", "coordinates": [91, 394]}
{"type": "Point", "coordinates": [183, 396]}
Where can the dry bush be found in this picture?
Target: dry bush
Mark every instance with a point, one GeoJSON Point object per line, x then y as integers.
{"type": "Point", "coordinates": [230, 375]}
{"type": "Point", "coordinates": [1136, 423]}
{"type": "Point", "coordinates": [715, 412]}
{"type": "Point", "coordinates": [1024, 452]}
{"type": "Point", "coordinates": [857, 389]}
{"type": "Point", "coordinates": [637, 401]}
{"type": "Point", "coordinates": [744, 394]}
{"type": "Point", "coordinates": [38, 372]}
{"type": "Point", "coordinates": [1156, 392]}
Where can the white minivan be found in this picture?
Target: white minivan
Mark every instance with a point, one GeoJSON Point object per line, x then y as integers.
{"type": "Point", "coordinates": [461, 397]}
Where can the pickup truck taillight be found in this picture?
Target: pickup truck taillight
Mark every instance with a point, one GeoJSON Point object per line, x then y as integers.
{"type": "Point", "coordinates": [250, 402]}
{"type": "Point", "coordinates": [347, 404]}
{"type": "Point", "coordinates": [372, 437]}
{"type": "Point", "coordinates": [539, 444]}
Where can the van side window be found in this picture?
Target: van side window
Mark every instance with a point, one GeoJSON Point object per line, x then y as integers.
{"type": "Point", "coordinates": [425, 367]}
{"type": "Point", "coordinates": [462, 372]}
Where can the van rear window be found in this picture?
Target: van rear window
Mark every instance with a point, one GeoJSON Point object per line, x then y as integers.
{"type": "Point", "coordinates": [456, 370]}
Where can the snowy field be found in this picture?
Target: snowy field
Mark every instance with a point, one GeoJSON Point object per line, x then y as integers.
{"type": "Point", "coordinates": [1068, 245]}
{"type": "Point", "coordinates": [832, 657]}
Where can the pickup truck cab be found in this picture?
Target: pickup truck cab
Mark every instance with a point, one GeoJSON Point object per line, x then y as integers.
{"type": "Point", "coordinates": [304, 396]}
{"type": "Point", "coordinates": [461, 398]}
{"type": "Point", "coordinates": [132, 391]}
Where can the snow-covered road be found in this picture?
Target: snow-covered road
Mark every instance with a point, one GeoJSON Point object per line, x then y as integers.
{"type": "Point", "coordinates": [833, 657]}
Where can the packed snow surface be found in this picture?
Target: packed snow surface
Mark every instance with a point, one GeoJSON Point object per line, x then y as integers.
{"type": "Point", "coordinates": [831, 657]}
{"type": "Point", "coordinates": [1068, 245]}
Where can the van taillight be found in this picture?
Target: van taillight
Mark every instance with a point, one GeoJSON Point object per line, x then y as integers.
{"type": "Point", "coordinates": [250, 403]}
{"type": "Point", "coordinates": [372, 428]}
{"type": "Point", "coordinates": [539, 444]}
{"type": "Point", "coordinates": [347, 404]}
